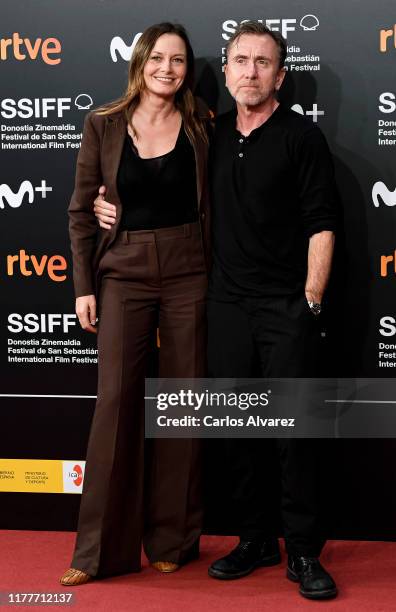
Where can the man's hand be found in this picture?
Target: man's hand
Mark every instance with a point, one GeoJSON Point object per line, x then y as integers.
{"type": "Point", "coordinates": [104, 211]}
{"type": "Point", "coordinates": [86, 312]}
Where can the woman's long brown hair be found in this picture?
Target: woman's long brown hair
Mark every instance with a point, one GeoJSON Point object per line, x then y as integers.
{"type": "Point", "coordinates": [184, 99]}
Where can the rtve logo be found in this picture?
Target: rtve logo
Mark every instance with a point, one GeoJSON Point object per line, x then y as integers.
{"type": "Point", "coordinates": [28, 265]}
{"type": "Point", "coordinates": [15, 199]}
{"type": "Point", "coordinates": [23, 48]}
{"type": "Point", "coordinates": [381, 193]}
{"type": "Point", "coordinates": [386, 260]}
{"type": "Point", "coordinates": [384, 41]}
{"type": "Point", "coordinates": [125, 51]}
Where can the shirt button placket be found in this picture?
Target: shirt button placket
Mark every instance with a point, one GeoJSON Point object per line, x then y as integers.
{"type": "Point", "coordinates": [241, 141]}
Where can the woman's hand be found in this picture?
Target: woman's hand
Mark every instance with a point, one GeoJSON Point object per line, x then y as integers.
{"type": "Point", "coordinates": [104, 211]}
{"type": "Point", "coordinates": [86, 312]}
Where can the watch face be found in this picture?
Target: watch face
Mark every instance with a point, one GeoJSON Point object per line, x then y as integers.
{"type": "Point", "coordinates": [315, 307]}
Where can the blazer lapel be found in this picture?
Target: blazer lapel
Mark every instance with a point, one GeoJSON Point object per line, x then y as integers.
{"type": "Point", "coordinates": [112, 146]}
{"type": "Point", "coordinates": [200, 152]}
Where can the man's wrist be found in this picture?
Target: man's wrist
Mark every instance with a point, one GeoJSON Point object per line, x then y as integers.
{"type": "Point", "coordinates": [313, 296]}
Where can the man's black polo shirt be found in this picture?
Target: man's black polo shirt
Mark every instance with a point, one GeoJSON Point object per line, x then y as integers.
{"type": "Point", "coordinates": [270, 192]}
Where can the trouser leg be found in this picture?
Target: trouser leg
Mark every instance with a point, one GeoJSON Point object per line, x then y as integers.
{"type": "Point", "coordinates": [174, 504]}
{"type": "Point", "coordinates": [287, 336]}
{"type": "Point", "coordinates": [240, 471]}
{"type": "Point", "coordinates": [280, 338]}
{"type": "Point", "coordinates": [173, 515]}
{"type": "Point", "coordinates": [111, 514]}
{"type": "Point", "coordinates": [300, 497]}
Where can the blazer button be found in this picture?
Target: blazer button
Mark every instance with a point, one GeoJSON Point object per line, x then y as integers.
{"type": "Point", "coordinates": [202, 216]}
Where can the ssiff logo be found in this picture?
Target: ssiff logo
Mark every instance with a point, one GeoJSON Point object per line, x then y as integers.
{"type": "Point", "coordinates": [42, 107]}
{"type": "Point", "coordinates": [23, 48]}
{"type": "Point", "coordinates": [73, 476]}
{"type": "Point", "coordinates": [388, 326]}
{"type": "Point", "coordinates": [308, 23]}
{"type": "Point", "coordinates": [388, 105]}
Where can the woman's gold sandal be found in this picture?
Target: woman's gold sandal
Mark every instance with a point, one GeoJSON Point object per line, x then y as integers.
{"type": "Point", "coordinates": [74, 577]}
{"type": "Point", "coordinates": [165, 567]}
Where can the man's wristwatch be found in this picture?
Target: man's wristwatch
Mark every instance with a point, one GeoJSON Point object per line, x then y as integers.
{"type": "Point", "coordinates": [316, 307]}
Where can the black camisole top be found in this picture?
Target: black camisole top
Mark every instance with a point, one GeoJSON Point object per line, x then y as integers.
{"type": "Point", "coordinates": [159, 191]}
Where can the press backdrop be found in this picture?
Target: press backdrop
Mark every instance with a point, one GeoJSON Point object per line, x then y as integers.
{"type": "Point", "coordinates": [59, 59]}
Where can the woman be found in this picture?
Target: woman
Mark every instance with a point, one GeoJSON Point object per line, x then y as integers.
{"type": "Point", "coordinates": [150, 149]}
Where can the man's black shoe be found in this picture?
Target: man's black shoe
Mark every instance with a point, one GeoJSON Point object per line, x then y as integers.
{"type": "Point", "coordinates": [245, 558]}
{"type": "Point", "coordinates": [315, 582]}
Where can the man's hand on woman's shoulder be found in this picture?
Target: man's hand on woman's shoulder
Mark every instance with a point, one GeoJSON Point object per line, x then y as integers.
{"type": "Point", "coordinates": [104, 211]}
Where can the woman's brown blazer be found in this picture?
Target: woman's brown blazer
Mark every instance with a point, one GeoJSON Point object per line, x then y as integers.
{"type": "Point", "coordinates": [97, 164]}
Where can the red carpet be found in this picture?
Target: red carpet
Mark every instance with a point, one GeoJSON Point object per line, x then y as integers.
{"type": "Point", "coordinates": [364, 571]}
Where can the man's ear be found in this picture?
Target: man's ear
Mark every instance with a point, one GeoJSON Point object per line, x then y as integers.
{"type": "Point", "coordinates": [279, 78]}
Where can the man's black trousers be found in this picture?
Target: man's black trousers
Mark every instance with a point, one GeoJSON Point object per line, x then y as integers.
{"type": "Point", "coordinates": [272, 482]}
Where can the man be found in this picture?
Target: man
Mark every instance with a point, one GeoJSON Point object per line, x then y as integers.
{"type": "Point", "coordinates": [273, 198]}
